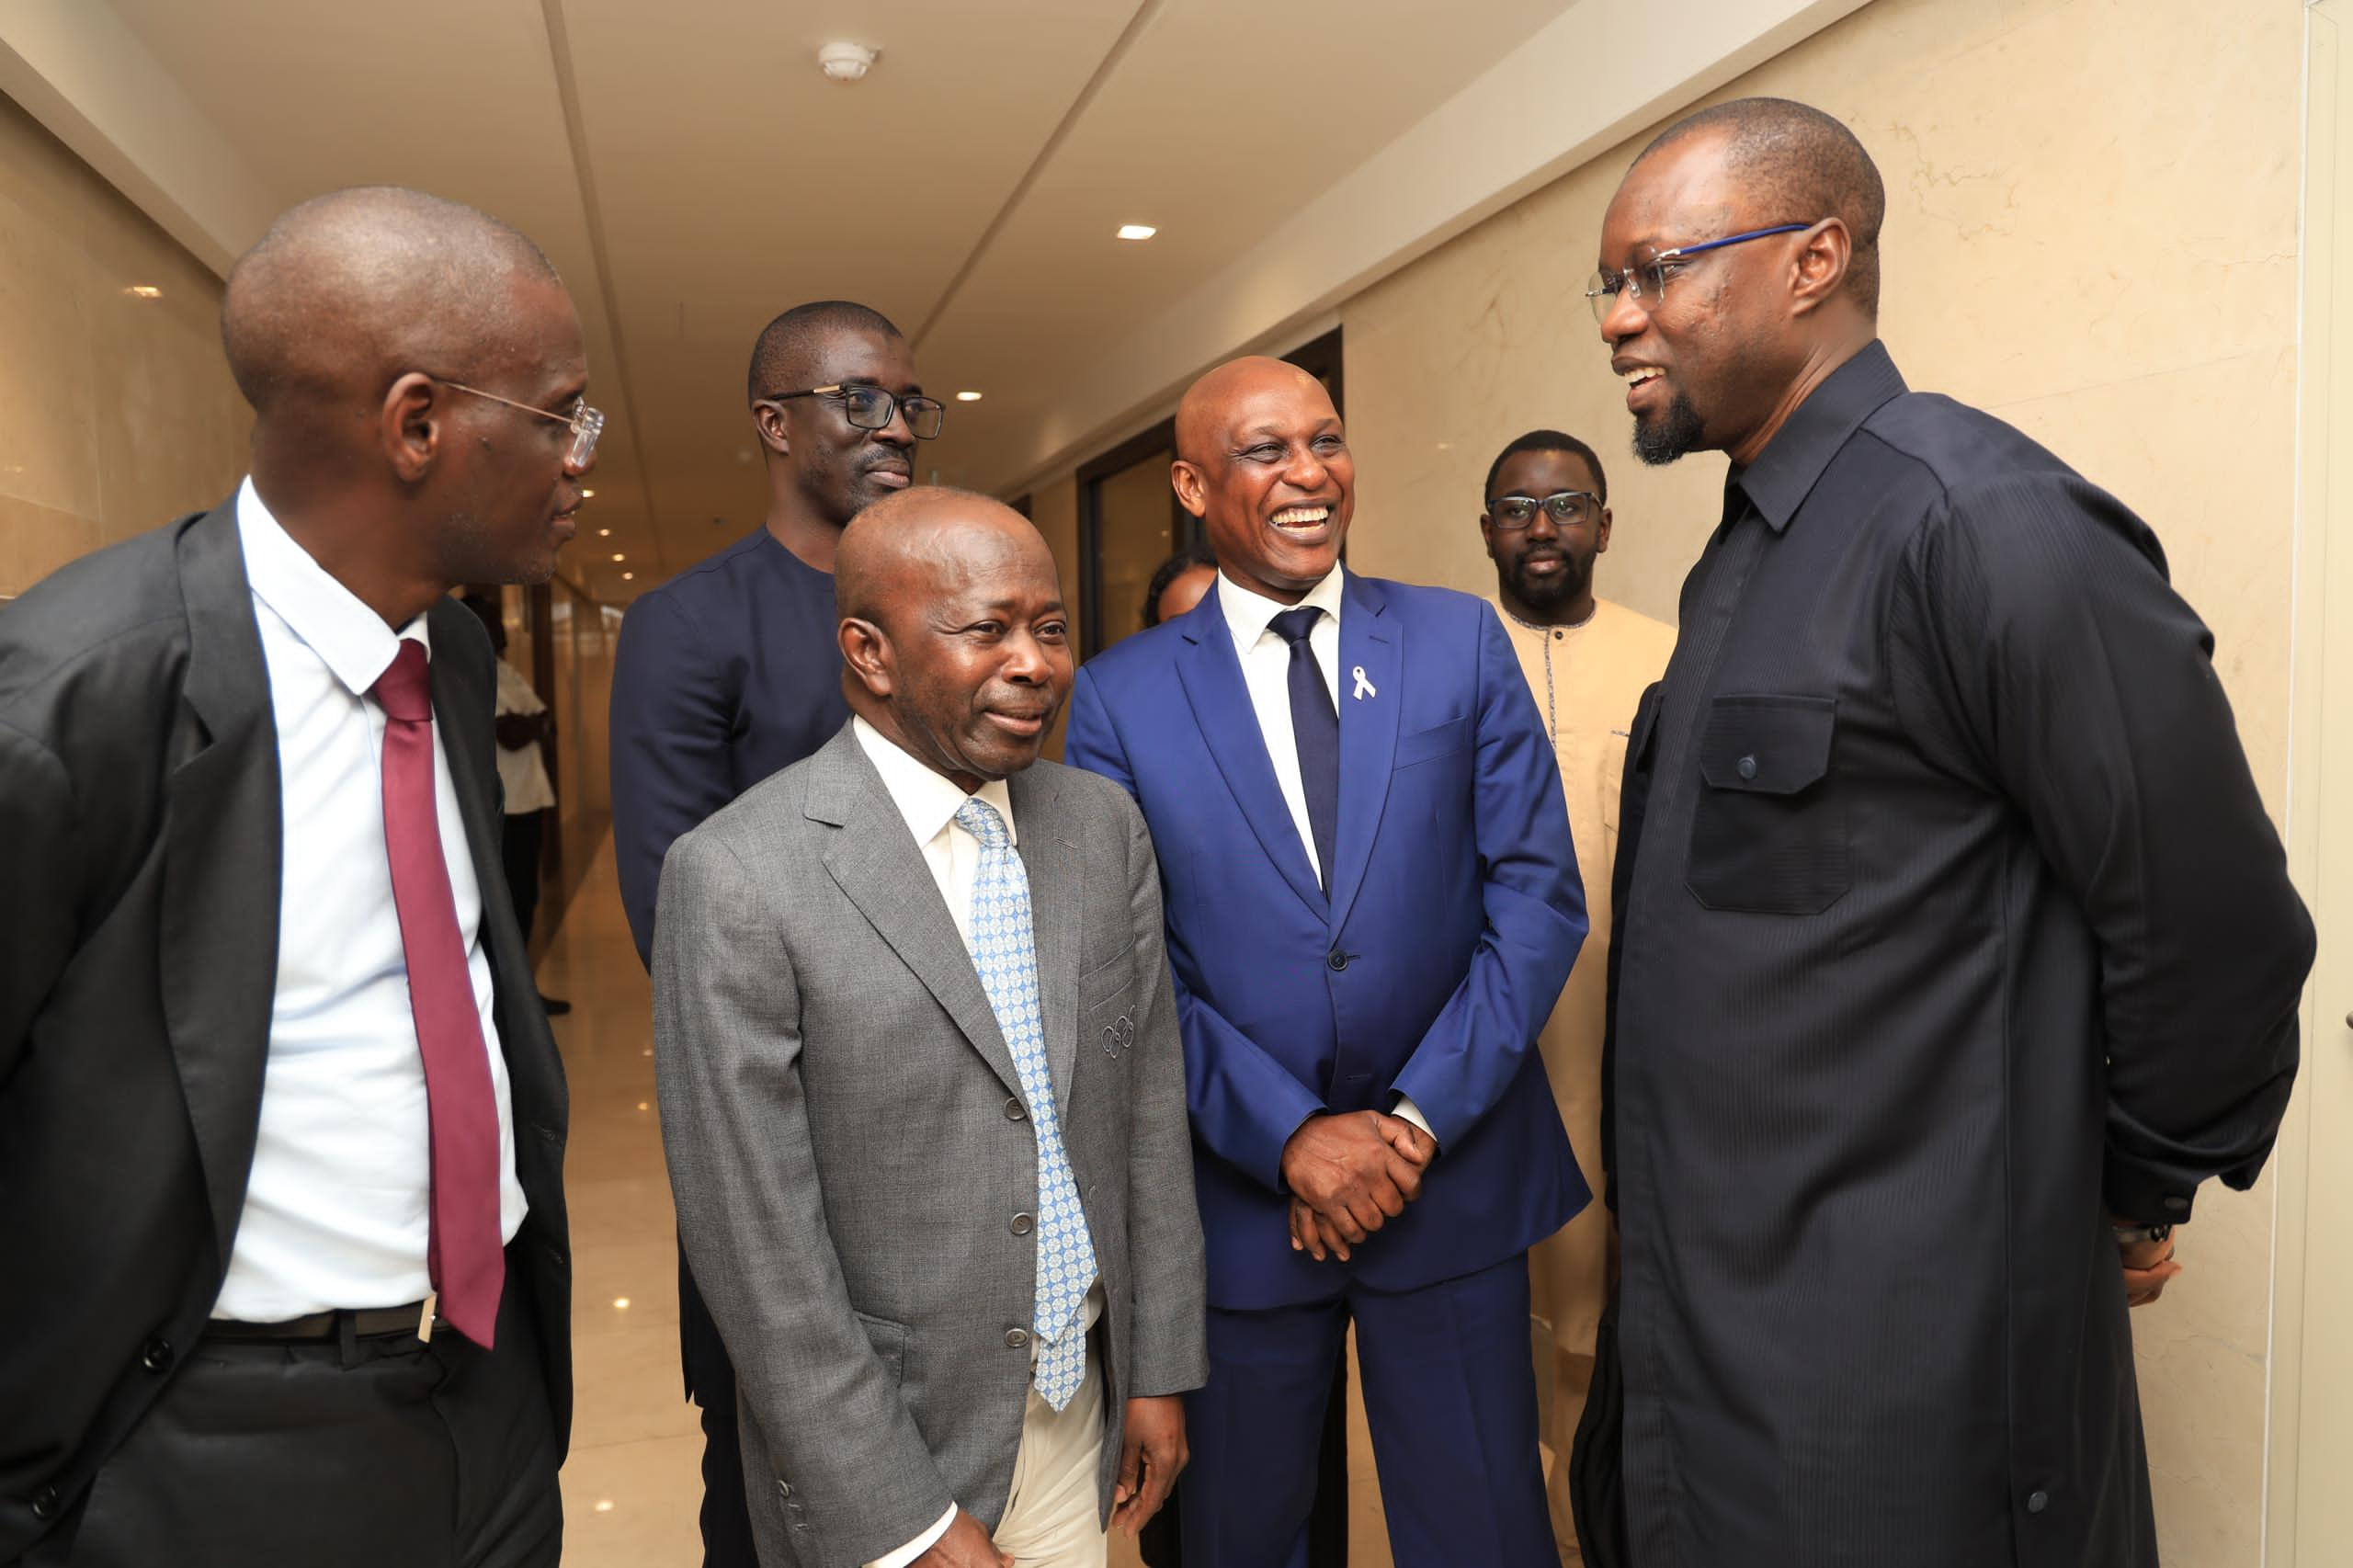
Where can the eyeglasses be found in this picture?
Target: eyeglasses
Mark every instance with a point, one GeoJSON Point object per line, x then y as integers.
{"type": "Point", "coordinates": [871, 408]}
{"type": "Point", "coordinates": [584, 422]}
{"type": "Point", "coordinates": [1645, 278]}
{"type": "Point", "coordinates": [1512, 513]}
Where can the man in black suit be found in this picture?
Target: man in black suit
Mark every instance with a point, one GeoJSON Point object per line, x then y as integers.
{"type": "Point", "coordinates": [729, 672]}
{"type": "Point", "coordinates": [281, 1124]}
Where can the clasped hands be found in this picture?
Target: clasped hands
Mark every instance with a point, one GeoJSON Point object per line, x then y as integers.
{"type": "Point", "coordinates": [1349, 1175]}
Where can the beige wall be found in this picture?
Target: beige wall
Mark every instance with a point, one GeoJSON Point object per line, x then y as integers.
{"type": "Point", "coordinates": [2092, 231]}
{"type": "Point", "coordinates": [116, 413]}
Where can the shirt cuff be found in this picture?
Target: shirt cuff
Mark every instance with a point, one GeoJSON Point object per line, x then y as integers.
{"type": "Point", "coordinates": [917, 1547]}
{"type": "Point", "coordinates": [1406, 1110]}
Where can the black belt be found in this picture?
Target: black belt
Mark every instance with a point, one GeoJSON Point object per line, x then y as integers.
{"type": "Point", "coordinates": [363, 1320]}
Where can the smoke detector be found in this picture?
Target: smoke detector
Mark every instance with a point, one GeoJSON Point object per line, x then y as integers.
{"type": "Point", "coordinates": [845, 61]}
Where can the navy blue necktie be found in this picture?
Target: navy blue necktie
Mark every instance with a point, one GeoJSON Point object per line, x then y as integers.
{"type": "Point", "coordinates": [1315, 728]}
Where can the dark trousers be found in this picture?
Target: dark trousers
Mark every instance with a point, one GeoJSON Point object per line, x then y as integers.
{"type": "Point", "coordinates": [1162, 1544]}
{"type": "Point", "coordinates": [711, 1383]}
{"type": "Point", "coordinates": [382, 1452]}
{"type": "Point", "coordinates": [1449, 1393]}
{"type": "Point", "coordinates": [520, 848]}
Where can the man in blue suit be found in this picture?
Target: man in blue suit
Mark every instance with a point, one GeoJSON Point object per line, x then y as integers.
{"type": "Point", "coordinates": [729, 672]}
{"type": "Point", "coordinates": [1372, 904]}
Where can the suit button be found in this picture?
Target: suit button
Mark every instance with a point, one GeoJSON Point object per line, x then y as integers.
{"type": "Point", "coordinates": [156, 1357]}
{"type": "Point", "coordinates": [1021, 1223]}
{"type": "Point", "coordinates": [1745, 767]}
{"type": "Point", "coordinates": [45, 1502]}
{"type": "Point", "coordinates": [1013, 1111]}
{"type": "Point", "coordinates": [1017, 1339]}
{"type": "Point", "coordinates": [2037, 1500]}
{"type": "Point", "coordinates": [1338, 960]}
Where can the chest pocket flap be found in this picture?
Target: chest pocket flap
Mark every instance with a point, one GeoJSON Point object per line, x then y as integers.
{"type": "Point", "coordinates": [1769, 832]}
{"type": "Point", "coordinates": [1767, 744]}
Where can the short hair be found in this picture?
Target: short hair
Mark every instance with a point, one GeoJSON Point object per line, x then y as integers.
{"type": "Point", "coordinates": [360, 285]}
{"type": "Point", "coordinates": [1191, 558]}
{"type": "Point", "coordinates": [787, 344]}
{"type": "Point", "coordinates": [1546, 442]}
{"type": "Point", "coordinates": [1806, 166]}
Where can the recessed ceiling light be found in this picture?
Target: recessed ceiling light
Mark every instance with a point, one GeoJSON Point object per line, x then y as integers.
{"type": "Point", "coordinates": [630, 577]}
{"type": "Point", "coordinates": [145, 291]}
{"type": "Point", "coordinates": [621, 1302]}
{"type": "Point", "coordinates": [604, 533]}
{"type": "Point", "coordinates": [587, 495]}
{"type": "Point", "coordinates": [619, 556]}
{"type": "Point", "coordinates": [604, 1505]}
{"type": "Point", "coordinates": [1137, 231]}
{"type": "Point", "coordinates": [968, 397]}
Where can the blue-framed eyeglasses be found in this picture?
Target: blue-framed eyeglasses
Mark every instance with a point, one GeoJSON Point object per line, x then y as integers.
{"type": "Point", "coordinates": [1645, 276]}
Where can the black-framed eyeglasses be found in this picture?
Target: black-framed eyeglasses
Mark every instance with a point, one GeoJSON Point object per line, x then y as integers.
{"type": "Point", "coordinates": [872, 408]}
{"type": "Point", "coordinates": [584, 422]}
{"type": "Point", "coordinates": [1646, 274]}
{"type": "Point", "coordinates": [1565, 507]}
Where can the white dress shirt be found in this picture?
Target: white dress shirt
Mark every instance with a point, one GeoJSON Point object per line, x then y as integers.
{"type": "Point", "coordinates": [929, 803]}
{"type": "Point", "coordinates": [1265, 671]}
{"type": "Point", "coordinates": [337, 1210]}
{"type": "Point", "coordinates": [522, 770]}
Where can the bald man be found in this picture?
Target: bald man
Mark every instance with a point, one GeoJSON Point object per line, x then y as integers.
{"type": "Point", "coordinates": [1372, 904]}
{"type": "Point", "coordinates": [922, 1094]}
{"type": "Point", "coordinates": [1955, 950]}
{"type": "Point", "coordinates": [284, 1125]}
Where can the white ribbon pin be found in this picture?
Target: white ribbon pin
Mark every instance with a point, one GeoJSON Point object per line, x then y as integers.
{"type": "Point", "coordinates": [1364, 687]}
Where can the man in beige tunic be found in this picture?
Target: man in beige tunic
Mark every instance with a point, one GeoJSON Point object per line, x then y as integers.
{"type": "Point", "coordinates": [1587, 662]}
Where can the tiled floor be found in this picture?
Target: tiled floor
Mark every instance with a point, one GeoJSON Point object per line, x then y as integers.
{"type": "Point", "coordinates": [633, 1482]}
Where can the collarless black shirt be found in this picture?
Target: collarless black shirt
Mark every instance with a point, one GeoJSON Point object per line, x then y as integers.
{"type": "Point", "coordinates": [1954, 923]}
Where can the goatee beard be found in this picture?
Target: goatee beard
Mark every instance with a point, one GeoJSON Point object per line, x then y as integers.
{"type": "Point", "coordinates": [1672, 435]}
{"type": "Point", "coordinates": [1551, 592]}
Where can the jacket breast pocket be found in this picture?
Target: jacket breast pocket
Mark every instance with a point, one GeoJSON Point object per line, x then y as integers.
{"type": "Point", "coordinates": [1106, 1008]}
{"type": "Point", "coordinates": [1768, 827]}
{"type": "Point", "coordinates": [1439, 740]}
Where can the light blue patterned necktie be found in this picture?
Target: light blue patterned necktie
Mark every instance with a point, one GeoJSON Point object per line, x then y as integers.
{"type": "Point", "coordinates": [1005, 952]}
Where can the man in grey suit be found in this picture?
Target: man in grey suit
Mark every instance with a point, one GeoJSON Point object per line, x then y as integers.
{"type": "Point", "coordinates": [922, 1091]}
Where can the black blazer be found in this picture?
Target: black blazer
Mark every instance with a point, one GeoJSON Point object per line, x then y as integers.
{"type": "Point", "coordinates": [140, 833]}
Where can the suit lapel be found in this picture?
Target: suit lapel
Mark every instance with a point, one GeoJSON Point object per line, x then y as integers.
{"type": "Point", "coordinates": [463, 703]}
{"type": "Point", "coordinates": [1056, 869]}
{"type": "Point", "coordinates": [1210, 670]}
{"type": "Point", "coordinates": [877, 864]}
{"type": "Point", "coordinates": [223, 837]}
{"type": "Point", "coordinates": [1371, 640]}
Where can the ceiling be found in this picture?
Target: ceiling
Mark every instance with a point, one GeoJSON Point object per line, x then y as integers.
{"type": "Point", "coordinates": [692, 173]}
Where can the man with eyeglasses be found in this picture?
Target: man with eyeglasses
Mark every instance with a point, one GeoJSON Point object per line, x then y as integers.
{"type": "Point", "coordinates": [1955, 949]}
{"type": "Point", "coordinates": [730, 673]}
{"type": "Point", "coordinates": [1587, 661]}
{"type": "Point", "coordinates": [289, 1280]}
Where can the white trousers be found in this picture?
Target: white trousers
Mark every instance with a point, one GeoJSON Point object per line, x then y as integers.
{"type": "Point", "coordinates": [1050, 1519]}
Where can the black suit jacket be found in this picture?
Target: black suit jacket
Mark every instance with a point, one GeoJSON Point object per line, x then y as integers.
{"type": "Point", "coordinates": [140, 829]}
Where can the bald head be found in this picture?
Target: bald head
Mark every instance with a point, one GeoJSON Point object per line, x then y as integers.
{"type": "Point", "coordinates": [349, 290]}
{"type": "Point", "coordinates": [953, 631]}
{"type": "Point", "coordinates": [1795, 165]}
{"type": "Point", "coordinates": [1210, 403]}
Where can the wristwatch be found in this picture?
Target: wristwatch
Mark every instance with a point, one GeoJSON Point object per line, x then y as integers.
{"type": "Point", "coordinates": [2132, 1235]}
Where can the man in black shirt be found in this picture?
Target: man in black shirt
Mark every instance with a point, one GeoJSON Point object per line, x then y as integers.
{"type": "Point", "coordinates": [1956, 949]}
{"type": "Point", "coordinates": [730, 672]}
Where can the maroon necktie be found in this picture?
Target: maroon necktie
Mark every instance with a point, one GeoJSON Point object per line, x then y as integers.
{"type": "Point", "coordinates": [462, 1255]}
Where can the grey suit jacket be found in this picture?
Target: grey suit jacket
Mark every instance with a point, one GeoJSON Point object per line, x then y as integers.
{"type": "Point", "coordinates": [850, 1146]}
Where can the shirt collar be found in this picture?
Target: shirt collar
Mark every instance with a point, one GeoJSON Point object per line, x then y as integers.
{"type": "Point", "coordinates": [1248, 611]}
{"type": "Point", "coordinates": [927, 800]}
{"type": "Point", "coordinates": [1785, 473]}
{"type": "Point", "coordinates": [351, 639]}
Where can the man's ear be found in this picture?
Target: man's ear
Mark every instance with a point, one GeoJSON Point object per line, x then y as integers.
{"type": "Point", "coordinates": [410, 426]}
{"type": "Point", "coordinates": [1601, 534]}
{"type": "Point", "coordinates": [1487, 533]}
{"type": "Point", "coordinates": [776, 431]}
{"type": "Point", "coordinates": [866, 649]}
{"type": "Point", "coordinates": [1192, 488]}
{"type": "Point", "coordinates": [1821, 269]}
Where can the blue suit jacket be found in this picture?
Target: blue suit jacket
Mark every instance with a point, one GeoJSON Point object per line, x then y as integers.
{"type": "Point", "coordinates": [1454, 916]}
